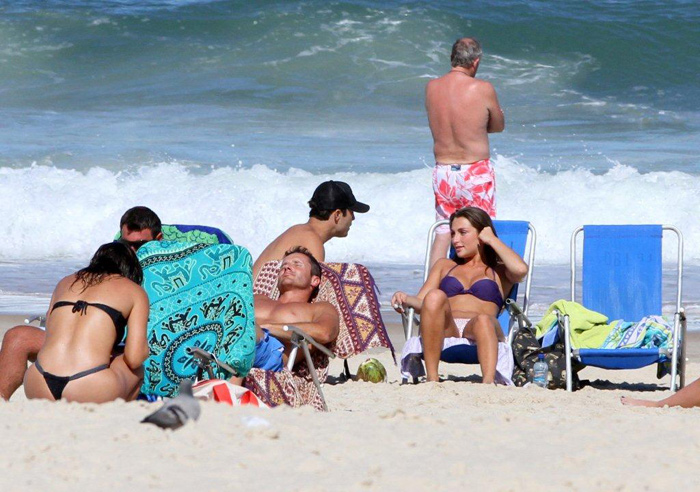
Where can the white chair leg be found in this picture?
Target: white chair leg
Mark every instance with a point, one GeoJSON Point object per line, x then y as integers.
{"type": "Point", "coordinates": [567, 355]}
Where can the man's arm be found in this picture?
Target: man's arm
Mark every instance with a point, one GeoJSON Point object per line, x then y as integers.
{"type": "Point", "coordinates": [323, 327]}
{"type": "Point", "coordinates": [497, 120]}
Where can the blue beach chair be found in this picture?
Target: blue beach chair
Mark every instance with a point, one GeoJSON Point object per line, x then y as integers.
{"type": "Point", "coordinates": [622, 269]}
{"type": "Point", "coordinates": [521, 237]}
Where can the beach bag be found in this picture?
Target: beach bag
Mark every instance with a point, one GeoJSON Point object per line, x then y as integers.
{"type": "Point", "coordinates": [224, 392]}
{"type": "Point", "coordinates": [526, 349]}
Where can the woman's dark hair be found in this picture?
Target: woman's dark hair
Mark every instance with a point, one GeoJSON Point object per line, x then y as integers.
{"type": "Point", "coordinates": [479, 220]}
{"type": "Point", "coordinates": [110, 259]}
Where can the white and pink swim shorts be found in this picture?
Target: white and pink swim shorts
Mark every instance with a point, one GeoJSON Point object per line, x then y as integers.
{"type": "Point", "coordinates": [463, 185]}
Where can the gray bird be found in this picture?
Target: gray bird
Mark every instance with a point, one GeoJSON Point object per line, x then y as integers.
{"type": "Point", "coordinates": [176, 411]}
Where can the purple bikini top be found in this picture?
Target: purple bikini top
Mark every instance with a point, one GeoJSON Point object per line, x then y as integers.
{"type": "Point", "coordinates": [485, 289]}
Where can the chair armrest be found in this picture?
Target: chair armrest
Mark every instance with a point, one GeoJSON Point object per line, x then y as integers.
{"type": "Point", "coordinates": [298, 334]}
{"type": "Point", "coordinates": [37, 317]}
{"type": "Point", "coordinates": [205, 359]}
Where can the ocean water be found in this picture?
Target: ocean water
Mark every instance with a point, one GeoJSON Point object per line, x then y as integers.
{"type": "Point", "coordinates": [230, 113]}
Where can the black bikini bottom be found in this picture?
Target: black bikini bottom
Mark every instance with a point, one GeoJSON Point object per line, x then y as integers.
{"type": "Point", "coordinates": [57, 384]}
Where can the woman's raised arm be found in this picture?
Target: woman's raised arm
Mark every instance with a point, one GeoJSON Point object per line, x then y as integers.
{"type": "Point", "coordinates": [514, 266]}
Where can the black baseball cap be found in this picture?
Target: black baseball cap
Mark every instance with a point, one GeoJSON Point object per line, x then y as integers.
{"type": "Point", "coordinates": [333, 195]}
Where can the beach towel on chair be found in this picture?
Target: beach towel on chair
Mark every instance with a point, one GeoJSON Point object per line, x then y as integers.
{"type": "Point", "coordinates": [351, 289]}
{"type": "Point", "coordinates": [200, 296]}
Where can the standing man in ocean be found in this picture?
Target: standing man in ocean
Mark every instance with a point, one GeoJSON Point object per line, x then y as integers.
{"type": "Point", "coordinates": [462, 111]}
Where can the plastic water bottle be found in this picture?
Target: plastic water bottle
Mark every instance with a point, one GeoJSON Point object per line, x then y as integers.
{"type": "Point", "coordinates": [539, 376]}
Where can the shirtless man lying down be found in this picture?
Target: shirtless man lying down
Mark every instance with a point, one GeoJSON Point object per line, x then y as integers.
{"type": "Point", "coordinates": [298, 281]}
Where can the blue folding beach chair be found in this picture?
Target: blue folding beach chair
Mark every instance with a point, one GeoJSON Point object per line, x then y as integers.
{"type": "Point", "coordinates": [521, 237]}
{"type": "Point", "coordinates": [622, 267]}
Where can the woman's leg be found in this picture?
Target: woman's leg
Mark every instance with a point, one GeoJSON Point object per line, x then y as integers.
{"type": "Point", "coordinates": [19, 345]}
{"type": "Point", "coordinates": [486, 332]}
{"type": "Point", "coordinates": [436, 323]}
{"type": "Point", "coordinates": [130, 381]}
{"type": "Point", "coordinates": [687, 397]}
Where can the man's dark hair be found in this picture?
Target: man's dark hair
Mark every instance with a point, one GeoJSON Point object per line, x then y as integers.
{"type": "Point", "coordinates": [140, 218]}
{"type": "Point", "coordinates": [324, 214]}
{"type": "Point", "coordinates": [315, 265]}
{"type": "Point", "coordinates": [465, 52]}
{"type": "Point", "coordinates": [111, 259]}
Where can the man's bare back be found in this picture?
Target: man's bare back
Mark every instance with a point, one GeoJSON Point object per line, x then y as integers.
{"type": "Point", "coordinates": [298, 235]}
{"type": "Point", "coordinates": [462, 111]}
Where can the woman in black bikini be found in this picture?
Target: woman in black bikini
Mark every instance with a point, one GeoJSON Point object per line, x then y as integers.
{"type": "Point", "coordinates": [86, 321]}
{"type": "Point", "coordinates": [463, 297]}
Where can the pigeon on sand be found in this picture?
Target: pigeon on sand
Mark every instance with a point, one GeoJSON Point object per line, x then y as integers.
{"type": "Point", "coordinates": [177, 411]}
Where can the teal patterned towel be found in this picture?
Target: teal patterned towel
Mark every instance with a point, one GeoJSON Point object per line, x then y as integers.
{"type": "Point", "coordinates": [650, 332]}
{"type": "Point", "coordinates": [200, 296]}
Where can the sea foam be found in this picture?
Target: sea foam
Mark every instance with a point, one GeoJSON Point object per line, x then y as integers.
{"type": "Point", "coordinates": [51, 213]}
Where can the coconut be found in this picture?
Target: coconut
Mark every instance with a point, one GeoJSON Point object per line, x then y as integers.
{"type": "Point", "coordinates": [371, 371]}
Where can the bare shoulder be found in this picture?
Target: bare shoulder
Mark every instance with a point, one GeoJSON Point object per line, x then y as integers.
{"type": "Point", "coordinates": [302, 235]}
{"type": "Point", "coordinates": [484, 87]}
{"type": "Point", "coordinates": [261, 299]}
{"type": "Point", "coordinates": [64, 285]}
{"type": "Point", "coordinates": [325, 307]}
{"type": "Point", "coordinates": [130, 286]}
{"type": "Point", "coordinates": [443, 265]}
{"type": "Point", "coordinates": [66, 281]}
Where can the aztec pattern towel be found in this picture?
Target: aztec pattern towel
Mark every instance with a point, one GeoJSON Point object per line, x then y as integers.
{"type": "Point", "coordinates": [200, 296]}
{"type": "Point", "coordinates": [351, 289]}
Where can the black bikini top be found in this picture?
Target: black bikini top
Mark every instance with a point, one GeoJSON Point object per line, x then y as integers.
{"type": "Point", "coordinates": [81, 306]}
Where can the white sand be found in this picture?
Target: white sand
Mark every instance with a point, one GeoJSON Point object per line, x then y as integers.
{"type": "Point", "coordinates": [377, 437]}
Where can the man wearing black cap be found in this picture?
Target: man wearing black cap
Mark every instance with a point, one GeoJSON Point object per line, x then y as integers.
{"type": "Point", "coordinates": [333, 208]}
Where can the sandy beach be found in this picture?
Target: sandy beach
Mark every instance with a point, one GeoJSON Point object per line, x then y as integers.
{"type": "Point", "coordinates": [376, 437]}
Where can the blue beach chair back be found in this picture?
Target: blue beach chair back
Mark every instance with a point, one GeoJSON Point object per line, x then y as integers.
{"type": "Point", "coordinates": [514, 234]}
{"type": "Point", "coordinates": [622, 270]}
{"type": "Point", "coordinates": [622, 278]}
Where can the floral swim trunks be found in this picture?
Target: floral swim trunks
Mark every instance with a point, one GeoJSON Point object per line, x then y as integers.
{"type": "Point", "coordinates": [463, 185]}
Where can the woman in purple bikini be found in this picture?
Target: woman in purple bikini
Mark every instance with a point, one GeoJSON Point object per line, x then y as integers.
{"type": "Point", "coordinates": [463, 297]}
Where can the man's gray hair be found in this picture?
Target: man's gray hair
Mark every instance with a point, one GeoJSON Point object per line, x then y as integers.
{"type": "Point", "coordinates": [465, 52]}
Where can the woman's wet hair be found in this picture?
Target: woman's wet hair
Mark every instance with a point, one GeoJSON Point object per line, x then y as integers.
{"type": "Point", "coordinates": [115, 258]}
{"type": "Point", "coordinates": [479, 220]}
